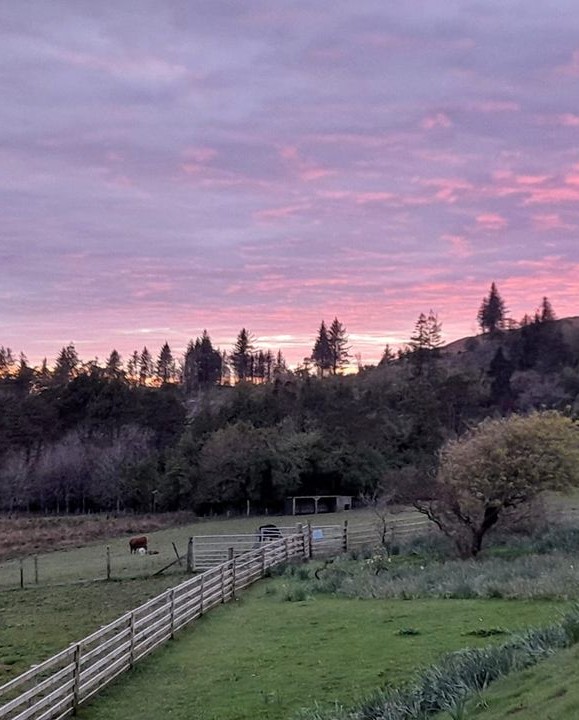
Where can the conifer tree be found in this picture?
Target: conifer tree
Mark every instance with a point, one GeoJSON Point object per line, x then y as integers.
{"type": "Point", "coordinates": [339, 349]}
{"type": "Point", "coordinates": [133, 365]}
{"type": "Point", "coordinates": [66, 366]}
{"type": "Point", "coordinates": [166, 369]}
{"type": "Point", "coordinates": [114, 366]}
{"type": "Point", "coordinates": [242, 355]}
{"type": "Point", "coordinates": [145, 367]}
{"type": "Point", "coordinates": [322, 352]}
{"type": "Point", "coordinates": [492, 312]}
{"type": "Point", "coordinates": [547, 312]}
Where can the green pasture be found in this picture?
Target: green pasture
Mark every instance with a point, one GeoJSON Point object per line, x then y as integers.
{"type": "Point", "coordinates": [548, 691]}
{"type": "Point", "coordinates": [36, 623]}
{"type": "Point", "coordinates": [265, 657]}
{"type": "Point", "coordinates": [90, 562]}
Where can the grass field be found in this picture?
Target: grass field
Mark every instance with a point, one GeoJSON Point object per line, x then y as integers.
{"type": "Point", "coordinates": [264, 657]}
{"type": "Point", "coordinates": [548, 691]}
{"type": "Point", "coordinates": [88, 562]}
{"type": "Point", "coordinates": [37, 623]}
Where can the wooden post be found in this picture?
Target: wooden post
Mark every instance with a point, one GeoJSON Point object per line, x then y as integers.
{"type": "Point", "coordinates": [231, 557]}
{"type": "Point", "coordinates": [132, 638]}
{"type": "Point", "coordinates": [108, 562]}
{"type": "Point", "coordinates": [263, 561]}
{"type": "Point", "coordinates": [36, 569]}
{"type": "Point", "coordinates": [222, 582]}
{"type": "Point", "coordinates": [310, 543]}
{"type": "Point", "coordinates": [76, 681]}
{"type": "Point", "coordinates": [345, 537]}
{"type": "Point", "coordinates": [177, 554]}
{"type": "Point", "coordinates": [300, 529]}
{"type": "Point", "coordinates": [190, 556]}
{"type": "Point", "coordinates": [172, 599]}
{"type": "Point", "coordinates": [201, 592]}
{"type": "Point", "coordinates": [286, 548]}
{"type": "Point", "coordinates": [21, 574]}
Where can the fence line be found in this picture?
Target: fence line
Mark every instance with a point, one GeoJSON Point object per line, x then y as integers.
{"type": "Point", "coordinates": [56, 687]}
{"type": "Point", "coordinates": [210, 550]}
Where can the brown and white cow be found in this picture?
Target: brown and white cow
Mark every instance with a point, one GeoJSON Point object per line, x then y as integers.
{"type": "Point", "coordinates": [137, 543]}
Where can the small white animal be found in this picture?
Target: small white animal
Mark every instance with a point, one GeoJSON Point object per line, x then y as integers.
{"type": "Point", "coordinates": [142, 551]}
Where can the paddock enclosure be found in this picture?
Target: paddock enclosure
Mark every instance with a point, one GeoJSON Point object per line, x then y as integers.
{"type": "Point", "coordinates": [56, 687]}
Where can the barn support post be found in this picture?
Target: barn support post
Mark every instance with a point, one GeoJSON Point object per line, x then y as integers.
{"type": "Point", "coordinates": [76, 679]}
{"type": "Point", "coordinates": [36, 569]}
{"type": "Point", "coordinates": [108, 562]}
{"type": "Point", "coordinates": [345, 537]}
{"type": "Point", "coordinates": [190, 555]}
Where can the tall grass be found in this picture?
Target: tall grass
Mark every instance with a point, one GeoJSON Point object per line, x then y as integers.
{"type": "Point", "coordinates": [447, 685]}
{"type": "Point", "coordinates": [525, 577]}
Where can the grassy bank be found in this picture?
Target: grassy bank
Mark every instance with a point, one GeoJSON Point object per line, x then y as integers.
{"type": "Point", "coordinates": [265, 657]}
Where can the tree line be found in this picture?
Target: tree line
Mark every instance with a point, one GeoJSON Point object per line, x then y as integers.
{"type": "Point", "coordinates": [166, 435]}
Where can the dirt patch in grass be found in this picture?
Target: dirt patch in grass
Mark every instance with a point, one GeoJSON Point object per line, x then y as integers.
{"type": "Point", "coordinates": [25, 535]}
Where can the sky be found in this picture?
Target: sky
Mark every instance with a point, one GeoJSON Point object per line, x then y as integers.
{"type": "Point", "coordinates": [167, 167]}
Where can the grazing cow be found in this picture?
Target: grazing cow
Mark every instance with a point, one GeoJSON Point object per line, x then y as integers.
{"type": "Point", "coordinates": [137, 543]}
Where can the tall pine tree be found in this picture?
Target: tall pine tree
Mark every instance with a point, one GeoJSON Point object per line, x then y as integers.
{"type": "Point", "coordinates": [322, 352]}
{"type": "Point", "coordinates": [339, 349]}
{"type": "Point", "coordinates": [492, 312]}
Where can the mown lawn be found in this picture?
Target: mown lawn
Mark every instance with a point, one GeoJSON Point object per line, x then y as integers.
{"type": "Point", "coordinates": [263, 657]}
{"type": "Point", "coordinates": [548, 691]}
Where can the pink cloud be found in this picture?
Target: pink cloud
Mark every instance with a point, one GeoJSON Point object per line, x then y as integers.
{"type": "Point", "coordinates": [438, 120]}
{"type": "Point", "coordinates": [461, 248]}
{"type": "Point", "coordinates": [496, 106]}
{"type": "Point", "coordinates": [491, 221]}
{"type": "Point", "coordinates": [572, 67]}
{"type": "Point", "coordinates": [278, 213]}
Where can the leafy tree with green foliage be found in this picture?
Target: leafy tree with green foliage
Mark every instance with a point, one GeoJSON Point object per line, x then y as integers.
{"type": "Point", "coordinates": [492, 312]}
{"type": "Point", "coordinates": [497, 467]}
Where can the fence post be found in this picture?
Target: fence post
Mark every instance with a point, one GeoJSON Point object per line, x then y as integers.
{"type": "Point", "coordinates": [108, 562]}
{"type": "Point", "coordinates": [222, 582]}
{"type": "Point", "coordinates": [263, 561]}
{"type": "Point", "coordinates": [36, 569]}
{"type": "Point", "coordinates": [190, 556]}
{"type": "Point", "coordinates": [132, 634]}
{"type": "Point", "coordinates": [76, 681]}
{"type": "Point", "coordinates": [21, 574]}
{"type": "Point", "coordinates": [172, 596]}
{"type": "Point", "coordinates": [345, 537]}
{"type": "Point", "coordinates": [231, 557]}
{"type": "Point", "coordinates": [310, 543]}
{"type": "Point", "coordinates": [286, 548]}
{"type": "Point", "coordinates": [201, 593]}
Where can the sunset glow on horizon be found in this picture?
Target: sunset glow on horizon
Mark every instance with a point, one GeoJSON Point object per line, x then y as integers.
{"type": "Point", "coordinates": [173, 167]}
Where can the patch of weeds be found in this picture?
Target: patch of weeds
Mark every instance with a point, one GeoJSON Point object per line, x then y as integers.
{"type": "Point", "coordinates": [408, 631]}
{"type": "Point", "coordinates": [487, 632]}
{"type": "Point", "coordinates": [296, 593]}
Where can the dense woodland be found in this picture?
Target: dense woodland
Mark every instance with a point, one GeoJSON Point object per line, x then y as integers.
{"type": "Point", "coordinates": [210, 432]}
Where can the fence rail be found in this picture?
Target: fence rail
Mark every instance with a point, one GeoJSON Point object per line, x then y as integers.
{"type": "Point", "coordinates": [56, 687]}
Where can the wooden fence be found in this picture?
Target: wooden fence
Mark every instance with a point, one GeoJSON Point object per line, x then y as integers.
{"type": "Point", "coordinates": [325, 540]}
{"type": "Point", "coordinates": [56, 687]}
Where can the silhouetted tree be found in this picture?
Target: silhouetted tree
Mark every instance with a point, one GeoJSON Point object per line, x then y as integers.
{"type": "Point", "coordinates": [114, 366]}
{"type": "Point", "coordinates": [339, 349]}
{"type": "Point", "coordinates": [492, 312]}
{"type": "Point", "coordinates": [166, 365]}
{"type": "Point", "coordinates": [67, 364]}
{"type": "Point", "coordinates": [322, 352]}
{"type": "Point", "coordinates": [145, 367]}
{"type": "Point", "coordinates": [547, 313]}
{"type": "Point", "coordinates": [242, 354]}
